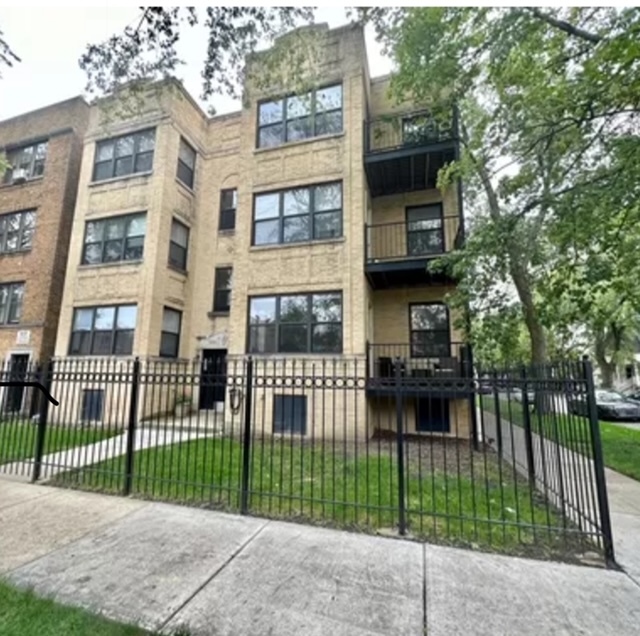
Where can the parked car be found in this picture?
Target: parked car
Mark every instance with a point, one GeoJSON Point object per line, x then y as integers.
{"type": "Point", "coordinates": [633, 394]}
{"type": "Point", "coordinates": [610, 405]}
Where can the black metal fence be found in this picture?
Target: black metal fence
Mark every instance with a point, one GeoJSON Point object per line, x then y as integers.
{"type": "Point", "coordinates": [403, 240]}
{"type": "Point", "coordinates": [495, 461]}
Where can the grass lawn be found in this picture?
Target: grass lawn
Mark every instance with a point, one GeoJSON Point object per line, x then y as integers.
{"type": "Point", "coordinates": [24, 614]}
{"type": "Point", "coordinates": [453, 494]}
{"type": "Point", "coordinates": [620, 446]}
{"type": "Point", "coordinates": [18, 437]}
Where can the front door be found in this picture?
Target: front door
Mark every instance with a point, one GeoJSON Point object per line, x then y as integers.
{"type": "Point", "coordinates": [213, 377]}
{"type": "Point", "coordinates": [18, 366]}
{"type": "Point", "coordinates": [432, 415]}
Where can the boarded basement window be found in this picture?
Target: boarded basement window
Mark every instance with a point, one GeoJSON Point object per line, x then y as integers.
{"type": "Point", "coordinates": [290, 414]}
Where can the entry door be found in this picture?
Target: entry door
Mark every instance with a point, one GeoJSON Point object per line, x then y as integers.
{"type": "Point", "coordinates": [213, 377]}
{"type": "Point", "coordinates": [432, 415]}
{"type": "Point", "coordinates": [18, 366]}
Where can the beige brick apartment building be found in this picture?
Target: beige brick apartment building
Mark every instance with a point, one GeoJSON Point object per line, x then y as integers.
{"type": "Point", "coordinates": [37, 200]}
{"type": "Point", "coordinates": [299, 227]}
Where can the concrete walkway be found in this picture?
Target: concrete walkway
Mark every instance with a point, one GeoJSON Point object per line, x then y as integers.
{"type": "Point", "coordinates": [165, 567]}
{"type": "Point", "coordinates": [623, 492]}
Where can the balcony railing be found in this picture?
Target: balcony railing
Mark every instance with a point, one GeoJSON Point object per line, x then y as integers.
{"type": "Point", "coordinates": [414, 239]}
{"type": "Point", "coordinates": [419, 364]}
{"type": "Point", "coordinates": [407, 130]}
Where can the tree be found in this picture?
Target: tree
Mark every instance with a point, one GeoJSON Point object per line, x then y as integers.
{"type": "Point", "coordinates": [148, 50]}
{"type": "Point", "coordinates": [540, 96]}
{"type": "Point", "coordinates": [7, 56]}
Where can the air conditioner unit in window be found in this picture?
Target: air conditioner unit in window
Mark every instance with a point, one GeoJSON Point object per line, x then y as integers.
{"type": "Point", "coordinates": [19, 176]}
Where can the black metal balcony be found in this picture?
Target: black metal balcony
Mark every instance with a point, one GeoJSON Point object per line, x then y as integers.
{"type": "Point", "coordinates": [441, 369]}
{"type": "Point", "coordinates": [398, 254]}
{"type": "Point", "coordinates": [403, 152]}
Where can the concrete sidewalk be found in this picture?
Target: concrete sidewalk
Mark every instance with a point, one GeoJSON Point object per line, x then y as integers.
{"type": "Point", "coordinates": [164, 566]}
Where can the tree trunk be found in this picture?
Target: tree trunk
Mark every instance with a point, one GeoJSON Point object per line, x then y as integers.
{"type": "Point", "coordinates": [607, 367]}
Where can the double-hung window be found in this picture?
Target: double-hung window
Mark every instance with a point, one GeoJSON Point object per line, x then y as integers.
{"type": "Point", "coordinates": [186, 163]}
{"type": "Point", "coordinates": [228, 205]}
{"type": "Point", "coordinates": [296, 323]}
{"type": "Point", "coordinates": [300, 214]}
{"type": "Point", "coordinates": [430, 335]}
{"type": "Point", "coordinates": [318, 112]}
{"type": "Point", "coordinates": [425, 231]}
{"type": "Point", "coordinates": [125, 155]}
{"type": "Point", "coordinates": [119, 238]}
{"type": "Point", "coordinates": [222, 292]}
{"type": "Point", "coordinates": [178, 245]}
{"type": "Point", "coordinates": [170, 336]}
{"type": "Point", "coordinates": [11, 296]}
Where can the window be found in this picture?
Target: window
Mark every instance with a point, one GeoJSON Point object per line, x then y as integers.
{"type": "Point", "coordinates": [290, 414]}
{"type": "Point", "coordinates": [316, 113]}
{"type": "Point", "coordinates": [170, 337]}
{"type": "Point", "coordinates": [92, 405]}
{"type": "Point", "coordinates": [228, 205]}
{"type": "Point", "coordinates": [11, 295]}
{"type": "Point", "coordinates": [186, 163]}
{"type": "Point", "coordinates": [306, 323]}
{"type": "Point", "coordinates": [425, 232]}
{"type": "Point", "coordinates": [103, 331]}
{"type": "Point", "coordinates": [303, 214]}
{"type": "Point", "coordinates": [119, 238]}
{"type": "Point", "coordinates": [429, 324]}
{"type": "Point", "coordinates": [121, 156]}
{"type": "Point", "coordinates": [222, 291]}
{"type": "Point", "coordinates": [16, 231]}
{"type": "Point", "coordinates": [26, 162]}
{"type": "Point", "coordinates": [178, 245]}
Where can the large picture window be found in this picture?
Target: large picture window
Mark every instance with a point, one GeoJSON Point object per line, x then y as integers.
{"type": "Point", "coordinates": [430, 335]}
{"type": "Point", "coordinates": [297, 117]}
{"type": "Point", "coordinates": [301, 214]}
{"type": "Point", "coordinates": [11, 296]}
{"type": "Point", "coordinates": [119, 238]}
{"type": "Point", "coordinates": [297, 323]}
{"type": "Point", "coordinates": [25, 163]}
{"type": "Point", "coordinates": [16, 231]}
{"type": "Point", "coordinates": [103, 331]}
{"type": "Point", "coordinates": [122, 156]}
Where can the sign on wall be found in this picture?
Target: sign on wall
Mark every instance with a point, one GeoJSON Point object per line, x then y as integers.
{"type": "Point", "coordinates": [23, 337]}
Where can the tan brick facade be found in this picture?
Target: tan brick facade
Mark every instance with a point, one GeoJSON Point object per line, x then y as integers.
{"type": "Point", "coordinates": [227, 157]}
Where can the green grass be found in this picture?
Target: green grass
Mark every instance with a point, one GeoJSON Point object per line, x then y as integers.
{"type": "Point", "coordinates": [620, 445]}
{"type": "Point", "coordinates": [22, 613]}
{"type": "Point", "coordinates": [18, 437]}
{"type": "Point", "coordinates": [454, 495]}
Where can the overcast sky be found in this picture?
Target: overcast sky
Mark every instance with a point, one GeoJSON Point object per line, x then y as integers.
{"type": "Point", "coordinates": [50, 41]}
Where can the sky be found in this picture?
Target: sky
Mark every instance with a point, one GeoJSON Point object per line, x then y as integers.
{"type": "Point", "coordinates": [50, 41]}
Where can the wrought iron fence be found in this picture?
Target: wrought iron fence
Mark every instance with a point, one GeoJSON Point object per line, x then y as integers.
{"type": "Point", "coordinates": [499, 462]}
{"type": "Point", "coordinates": [406, 240]}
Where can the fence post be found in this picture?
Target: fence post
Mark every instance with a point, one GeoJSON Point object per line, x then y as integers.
{"type": "Point", "coordinates": [131, 429]}
{"type": "Point", "coordinates": [466, 362]}
{"type": "Point", "coordinates": [43, 413]}
{"type": "Point", "coordinates": [498, 416]}
{"type": "Point", "coordinates": [598, 464]}
{"type": "Point", "coordinates": [246, 439]}
{"type": "Point", "coordinates": [528, 437]}
{"type": "Point", "coordinates": [402, 521]}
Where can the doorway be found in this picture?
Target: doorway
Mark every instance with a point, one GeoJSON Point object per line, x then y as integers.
{"type": "Point", "coordinates": [432, 415]}
{"type": "Point", "coordinates": [213, 377]}
{"type": "Point", "coordinates": [18, 368]}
